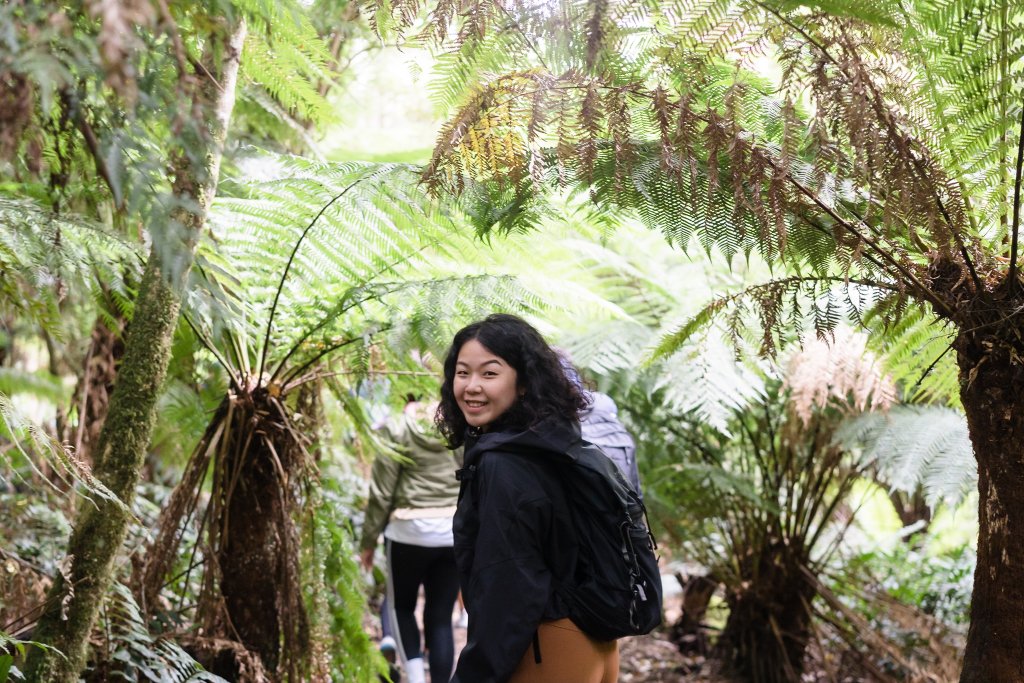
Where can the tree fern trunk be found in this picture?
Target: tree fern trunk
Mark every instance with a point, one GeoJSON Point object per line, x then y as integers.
{"type": "Point", "coordinates": [91, 398]}
{"type": "Point", "coordinates": [260, 600]}
{"type": "Point", "coordinates": [74, 601]}
{"type": "Point", "coordinates": [992, 392]}
{"type": "Point", "coordinates": [769, 624]}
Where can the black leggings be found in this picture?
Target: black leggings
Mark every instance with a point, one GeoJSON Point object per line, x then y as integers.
{"type": "Point", "coordinates": [410, 566]}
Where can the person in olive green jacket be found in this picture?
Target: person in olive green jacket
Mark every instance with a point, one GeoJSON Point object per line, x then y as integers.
{"type": "Point", "coordinates": [412, 503]}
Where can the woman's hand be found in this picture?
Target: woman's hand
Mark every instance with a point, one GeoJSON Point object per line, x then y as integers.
{"type": "Point", "coordinates": [366, 558]}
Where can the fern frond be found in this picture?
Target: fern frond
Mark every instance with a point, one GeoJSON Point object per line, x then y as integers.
{"type": "Point", "coordinates": [141, 656]}
{"type": "Point", "coordinates": [916, 351]}
{"type": "Point", "coordinates": [32, 444]}
{"type": "Point", "coordinates": [45, 256]}
{"type": "Point", "coordinates": [38, 385]}
{"type": "Point", "coordinates": [917, 446]}
{"type": "Point", "coordinates": [782, 306]}
{"type": "Point", "coordinates": [285, 55]}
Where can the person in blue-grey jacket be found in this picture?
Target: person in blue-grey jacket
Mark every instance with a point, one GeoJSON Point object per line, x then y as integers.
{"type": "Point", "coordinates": [600, 426]}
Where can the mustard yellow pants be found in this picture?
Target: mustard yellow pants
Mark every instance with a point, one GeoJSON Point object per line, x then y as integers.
{"type": "Point", "coordinates": [568, 656]}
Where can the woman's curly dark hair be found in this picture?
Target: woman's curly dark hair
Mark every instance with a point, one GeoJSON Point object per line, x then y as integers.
{"type": "Point", "coordinates": [544, 387]}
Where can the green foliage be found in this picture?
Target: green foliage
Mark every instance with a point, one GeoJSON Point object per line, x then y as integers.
{"type": "Point", "coordinates": [644, 279]}
{"type": "Point", "coordinates": [780, 309]}
{"type": "Point", "coordinates": [133, 654]}
{"type": "Point", "coordinates": [194, 387]}
{"type": "Point", "coordinates": [52, 262]}
{"type": "Point", "coordinates": [939, 583]}
{"type": "Point", "coordinates": [759, 511]}
{"type": "Point", "coordinates": [910, 607]}
{"type": "Point", "coordinates": [332, 254]}
{"type": "Point", "coordinates": [30, 445]}
{"type": "Point", "coordinates": [917, 446]}
{"type": "Point", "coordinates": [12, 650]}
{"type": "Point", "coordinates": [875, 160]}
{"type": "Point", "coordinates": [38, 384]}
{"type": "Point", "coordinates": [317, 272]}
{"type": "Point", "coordinates": [917, 350]}
{"type": "Point", "coordinates": [105, 100]}
{"type": "Point", "coordinates": [337, 594]}
{"type": "Point", "coordinates": [285, 55]}
{"type": "Point", "coordinates": [34, 529]}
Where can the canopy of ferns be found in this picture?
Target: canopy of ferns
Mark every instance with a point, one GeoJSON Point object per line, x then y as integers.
{"type": "Point", "coordinates": [878, 158]}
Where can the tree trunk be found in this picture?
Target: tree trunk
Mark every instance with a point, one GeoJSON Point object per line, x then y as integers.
{"type": "Point", "coordinates": [689, 632]}
{"type": "Point", "coordinates": [992, 378]}
{"type": "Point", "coordinates": [74, 601]}
{"type": "Point", "coordinates": [92, 395]}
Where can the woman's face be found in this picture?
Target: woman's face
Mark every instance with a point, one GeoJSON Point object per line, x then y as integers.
{"type": "Point", "coordinates": [484, 384]}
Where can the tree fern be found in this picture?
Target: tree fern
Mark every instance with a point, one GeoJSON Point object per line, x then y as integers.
{"type": "Point", "coordinates": [361, 235]}
{"type": "Point", "coordinates": [790, 168]}
{"type": "Point", "coordinates": [348, 272]}
{"type": "Point", "coordinates": [907, 160]}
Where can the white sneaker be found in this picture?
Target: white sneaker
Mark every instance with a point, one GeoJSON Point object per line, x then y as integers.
{"type": "Point", "coordinates": [414, 670]}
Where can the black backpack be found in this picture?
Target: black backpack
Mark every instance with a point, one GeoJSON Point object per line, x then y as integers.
{"type": "Point", "coordinates": [616, 590]}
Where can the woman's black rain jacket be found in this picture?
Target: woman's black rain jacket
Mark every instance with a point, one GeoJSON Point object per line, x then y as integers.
{"type": "Point", "coordinates": [514, 544]}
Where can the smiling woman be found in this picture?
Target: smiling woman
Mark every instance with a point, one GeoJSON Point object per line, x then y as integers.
{"type": "Point", "coordinates": [507, 398]}
{"type": "Point", "coordinates": [484, 385]}
{"type": "Point", "coordinates": [501, 375]}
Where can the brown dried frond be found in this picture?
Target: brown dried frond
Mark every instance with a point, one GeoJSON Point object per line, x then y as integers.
{"type": "Point", "coordinates": [24, 587]}
{"type": "Point", "coordinates": [150, 569]}
{"type": "Point", "coordinates": [565, 143]}
{"type": "Point", "coordinates": [769, 303]}
{"type": "Point", "coordinates": [686, 132]}
{"type": "Point", "coordinates": [216, 653]}
{"type": "Point", "coordinates": [839, 373]}
{"type": "Point", "coordinates": [737, 148]}
{"type": "Point", "coordinates": [662, 108]}
{"type": "Point", "coordinates": [717, 135]}
{"type": "Point", "coordinates": [756, 175]}
{"type": "Point", "coordinates": [591, 122]}
{"type": "Point", "coordinates": [478, 19]}
{"type": "Point", "coordinates": [620, 129]}
{"type": "Point", "coordinates": [863, 92]}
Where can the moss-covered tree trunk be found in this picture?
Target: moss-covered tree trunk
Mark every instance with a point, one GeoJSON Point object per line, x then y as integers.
{"type": "Point", "coordinates": [75, 599]}
{"type": "Point", "coordinates": [992, 392]}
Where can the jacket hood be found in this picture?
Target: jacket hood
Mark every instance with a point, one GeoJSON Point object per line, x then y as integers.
{"type": "Point", "coordinates": [423, 436]}
{"type": "Point", "coordinates": [602, 407]}
{"type": "Point", "coordinates": [551, 434]}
